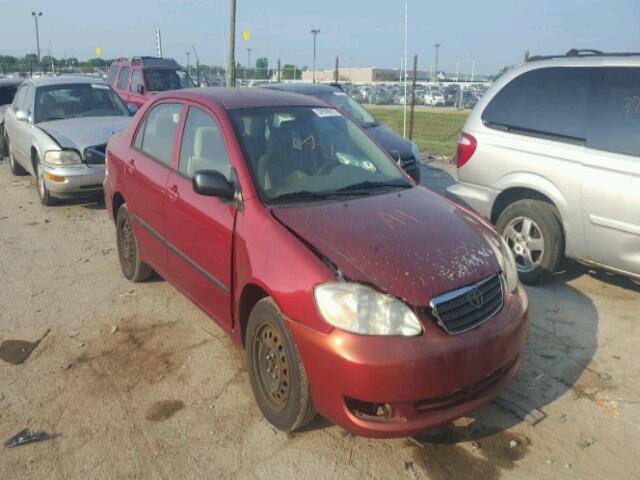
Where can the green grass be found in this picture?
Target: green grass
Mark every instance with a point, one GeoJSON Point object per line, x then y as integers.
{"type": "Point", "coordinates": [435, 132]}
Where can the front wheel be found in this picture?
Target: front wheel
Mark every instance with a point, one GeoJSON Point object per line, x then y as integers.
{"type": "Point", "coordinates": [533, 231]}
{"type": "Point", "coordinates": [277, 375]}
{"type": "Point", "coordinates": [43, 192]}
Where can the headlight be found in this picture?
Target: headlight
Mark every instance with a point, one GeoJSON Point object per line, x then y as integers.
{"type": "Point", "coordinates": [360, 309]}
{"type": "Point", "coordinates": [416, 151]}
{"type": "Point", "coordinates": [508, 264]}
{"type": "Point", "coordinates": [62, 157]}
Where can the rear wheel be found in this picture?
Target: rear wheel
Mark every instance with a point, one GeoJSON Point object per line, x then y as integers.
{"type": "Point", "coordinates": [533, 231]}
{"type": "Point", "coordinates": [133, 268]}
{"type": "Point", "coordinates": [276, 372]}
{"type": "Point", "coordinates": [13, 166]}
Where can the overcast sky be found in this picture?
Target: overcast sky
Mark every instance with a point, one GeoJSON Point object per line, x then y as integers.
{"type": "Point", "coordinates": [363, 33]}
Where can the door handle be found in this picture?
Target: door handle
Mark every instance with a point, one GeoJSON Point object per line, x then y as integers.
{"type": "Point", "coordinates": [173, 193]}
{"type": "Point", "coordinates": [131, 166]}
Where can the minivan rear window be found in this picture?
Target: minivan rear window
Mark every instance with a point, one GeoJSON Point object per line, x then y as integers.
{"type": "Point", "coordinates": [616, 112]}
{"type": "Point", "coordinates": [551, 101]}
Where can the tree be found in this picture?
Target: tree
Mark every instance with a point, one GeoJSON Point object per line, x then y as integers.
{"type": "Point", "coordinates": [291, 72]}
{"type": "Point", "coordinates": [262, 68]}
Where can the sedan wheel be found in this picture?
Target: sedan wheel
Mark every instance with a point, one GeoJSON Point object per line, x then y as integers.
{"type": "Point", "coordinates": [277, 375]}
{"type": "Point", "coordinates": [43, 192]}
{"type": "Point", "coordinates": [133, 268]}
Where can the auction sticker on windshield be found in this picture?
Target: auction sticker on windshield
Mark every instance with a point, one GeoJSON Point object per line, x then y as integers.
{"type": "Point", "coordinates": [326, 112]}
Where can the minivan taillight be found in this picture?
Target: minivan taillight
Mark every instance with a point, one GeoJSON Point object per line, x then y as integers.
{"type": "Point", "coordinates": [466, 147]}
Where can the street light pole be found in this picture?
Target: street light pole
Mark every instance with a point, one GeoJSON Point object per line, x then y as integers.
{"type": "Point", "coordinates": [315, 33]}
{"type": "Point", "coordinates": [35, 17]}
{"type": "Point", "coordinates": [437, 45]}
{"type": "Point", "coordinates": [231, 52]}
{"type": "Point", "coordinates": [248, 64]}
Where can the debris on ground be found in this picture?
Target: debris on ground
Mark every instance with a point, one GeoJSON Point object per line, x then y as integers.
{"type": "Point", "coordinates": [16, 352]}
{"type": "Point", "coordinates": [476, 445]}
{"type": "Point", "coordinates": [114, 329]}
{"type": "Point", "coordinates": [509, 400]}
{"type": "Point", "coordinates": [408, 466]}
{"type": "Point", "coordinates": [25, 436]}
{"type": "Point", "coordinates": [513, 444]}
{"type": "Point", "coordinates": [585, 441]}
{"type": "Point", "coordinates": [73, 334]}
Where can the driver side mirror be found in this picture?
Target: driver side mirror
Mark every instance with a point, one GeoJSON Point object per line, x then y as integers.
{"type": "Point", "coordinates": [140, 89]}
{"type": "Point", "coordinates": [132, 108]}
{"type": "Point", "coordinates": [395, 154]}
{"type": "Point", "coordinates": [22, 116]}
{"type": "Point", "coordinates": [213, 184]}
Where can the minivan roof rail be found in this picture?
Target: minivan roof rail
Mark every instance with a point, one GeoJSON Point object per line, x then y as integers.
{"type": "Point", "coordinates": [575, 52]}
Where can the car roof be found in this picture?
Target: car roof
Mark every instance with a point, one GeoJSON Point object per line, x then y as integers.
{"type": "Point", "coordinates": [237, 98]}
{"type": "Point", "coordinates": [302, 88]}
{"type": "Point", "coordinates": [65, 80]}
{"type": "Point", "coordinates": [10, 81]}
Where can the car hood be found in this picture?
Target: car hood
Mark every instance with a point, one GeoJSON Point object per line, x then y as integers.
{"type": "Point", "coordinates": [80, 133]}
{"type": "Point", "coordinates": [389, 140]}
{"type": "Point", "coordinates": [413, 244]}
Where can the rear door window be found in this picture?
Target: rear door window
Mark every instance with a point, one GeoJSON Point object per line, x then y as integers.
{"type": "Point", "coordinates": [111, 75]}
{"type": "Point", "coordinates": [123, 78]}
{"type": "Point", "coordinates": [136, 80]}
{"type": "Point", "coordinates": [159, 132]}
{"type": "Point", "coordinates": [615, 113]}
{"type": "Point", "coordinates": [547, 101]}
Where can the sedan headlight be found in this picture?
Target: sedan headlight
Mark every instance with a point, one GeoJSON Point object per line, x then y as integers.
{"type": "Point", "coordinates": [360, 309]}
{"type": "Point", "coordinates": [62, 158]}
{"type": "Point", "coordinates": [416, 151]}
{"type": "Point", "coordinates": [508, 264]}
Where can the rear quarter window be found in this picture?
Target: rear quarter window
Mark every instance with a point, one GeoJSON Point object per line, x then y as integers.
{"type": "Point", "coordinates": [111, 75]}
{"type": "Point", "coordinates": [615, 117]}
{"type": "Point", "coordinates": [123, 78]}
{"type": "Point", "coordinates": [550, 101]}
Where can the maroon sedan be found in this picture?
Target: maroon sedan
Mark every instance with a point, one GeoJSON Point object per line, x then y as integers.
{"type": "Point", "coordinates": [354, 292]}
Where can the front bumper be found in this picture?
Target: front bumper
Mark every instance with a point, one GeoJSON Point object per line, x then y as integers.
{"type": "Point", "coordinates": [400, 386]}
{"type": "Point", "coordinates": [81, 179]}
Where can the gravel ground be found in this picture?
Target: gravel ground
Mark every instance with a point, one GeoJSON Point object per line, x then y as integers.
{"type": "Point", "coordinates": [137, 382]}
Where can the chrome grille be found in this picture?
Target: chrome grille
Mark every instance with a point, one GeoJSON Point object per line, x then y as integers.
{"type": "Point", "coordinates": [463, 309]}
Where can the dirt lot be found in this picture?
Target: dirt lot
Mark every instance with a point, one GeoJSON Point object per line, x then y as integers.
{"type": "Point", "coordinates": [137, 382]}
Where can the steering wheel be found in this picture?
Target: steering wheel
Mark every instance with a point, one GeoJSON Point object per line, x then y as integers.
{"type": "Point", "coordinates": [328, 167]}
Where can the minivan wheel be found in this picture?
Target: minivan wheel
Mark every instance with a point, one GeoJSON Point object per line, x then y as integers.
{"type": "Point", "coordinates": [533, 231]}
{"type": "Point", "coordinates": [133, 268]}
{"type": "Point", "coordinates": [277, 375]}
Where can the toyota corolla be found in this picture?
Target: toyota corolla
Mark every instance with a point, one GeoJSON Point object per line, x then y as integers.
{"type": "Point", "coordinates": [354, 292]}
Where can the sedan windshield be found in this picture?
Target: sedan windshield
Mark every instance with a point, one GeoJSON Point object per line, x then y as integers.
{"type": "Point", "coordinates": [163, 79]}
{"type": "Point", "coordinates": [57, 102]}
{"type": "Point", "coordinates": [305, 154]}
{"type": "Point", "coordinates": [350, 106]}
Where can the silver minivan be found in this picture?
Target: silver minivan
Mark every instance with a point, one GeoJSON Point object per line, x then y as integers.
{"type": "Point", "coordinates": [551, 155]}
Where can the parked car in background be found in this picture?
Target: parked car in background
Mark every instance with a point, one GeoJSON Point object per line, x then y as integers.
{"type": "Point", "coordinates": [57, 129]}
{"type": "Point", "coordinates": [8, 88]}
{"type": "Point", "coordinates": [139, 78]}
{"type": "Point", "coordinates": [405, 152]}
{"type": "Point", "coordinates": [451, 94]}
{"type": "Point", "coordinates": [551, 155]}
{"type": "Point", "coordinates": [434, 98]}
{"type": "Point", "coordinates": [397, 310]}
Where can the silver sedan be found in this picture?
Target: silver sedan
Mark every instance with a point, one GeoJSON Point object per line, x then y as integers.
{"type": "Point", "coordinates": [56, 129]}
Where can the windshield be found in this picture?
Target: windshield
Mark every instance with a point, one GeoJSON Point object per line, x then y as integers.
{"type": "Point", "coordinates": [302, 154]}
{"type": "Point", "coordinates": [350, 106]}
{"type": "Point", "coordinates": [56, 102]}
{"type": "Point", "coordinates": [163, 79]}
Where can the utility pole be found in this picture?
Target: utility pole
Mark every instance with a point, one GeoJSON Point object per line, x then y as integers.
{"type": "Point", "coordinates": [188, 63]}
{"type": "Point", "coordinates": [315, 33]}
{"type": "Point", "coordinates": [336, 72]}
{"type": "Point", "coordinates": [158, 43]}
{"type": "Point", "coordinates": [413, 97]}
{"type": "Point", "coordinates": [246, 72]}
{"type": "Point", "coordinates": [279, 74]}
{"type": "Point", "coordinates": [35, 17]}
{"type": "Point", "coordinates": [437, 46]}
{"type": "Point", "coordinates": [195, 52]}
{"type": "Point", "coordinates": [473, 68]}
{"type": "Point", "coordinates": [406, 43]}
{"type": "Point", "coordinates": [231, 53]}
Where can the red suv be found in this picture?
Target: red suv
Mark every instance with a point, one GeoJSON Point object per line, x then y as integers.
{"type": "Point", "coordinates": [138, 78]}
{"type": "Point", "coordinates": [355, 292]}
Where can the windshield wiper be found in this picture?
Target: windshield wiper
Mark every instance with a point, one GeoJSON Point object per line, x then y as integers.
{"type": "Point", "coordinates": [309, 195]}
{"type": "Point", "coordinates": [369, 185]}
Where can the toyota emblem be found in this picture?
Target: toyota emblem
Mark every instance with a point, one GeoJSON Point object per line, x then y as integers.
{"type": "Point", "coordinates": [476, 298]}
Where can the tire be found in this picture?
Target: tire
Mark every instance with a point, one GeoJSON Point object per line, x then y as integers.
{"type": "Point", "coordinates": [133, 268]}
{"type": "Point", "coordinates": [277, 374]}
{"type": "Point", "coordinates": [43, 192]}
{"type": "Point", "coordinates": [16, 169]}
{"type": "Point", "coordinates": [533, 230]}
